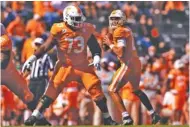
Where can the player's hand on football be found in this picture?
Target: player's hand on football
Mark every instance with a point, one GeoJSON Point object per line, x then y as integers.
{"type": "Point", "coordinates": [107, 40]}
{"type": "Point", "coordinates": [27, 65]}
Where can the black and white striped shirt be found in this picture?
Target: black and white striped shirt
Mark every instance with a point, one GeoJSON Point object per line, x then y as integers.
{"type": "Point", "coordinates": [41, 66]}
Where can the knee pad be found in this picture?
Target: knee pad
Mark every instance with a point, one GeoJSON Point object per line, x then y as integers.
{"type": "Point", "coordinates": [102, 104]}
{"type": "Point", "coordinates": [46, 101]}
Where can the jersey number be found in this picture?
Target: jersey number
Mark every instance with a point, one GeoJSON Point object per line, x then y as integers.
{"type": "Point", "coordinates": [75, 44]}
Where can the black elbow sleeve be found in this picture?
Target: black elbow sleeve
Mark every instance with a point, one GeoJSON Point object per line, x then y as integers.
{"type": "Point", "coordinates": [94, 46]}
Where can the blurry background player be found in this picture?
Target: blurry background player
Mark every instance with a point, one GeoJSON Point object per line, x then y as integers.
{"type": "Point", "coordinates": [178, 81]}
{"type": "Point", "coordinates": [123, 46]}
{"type": "Point", "coordinates": [65, 109]}
{"type": "Point", "coordinates": [40, 71]}
{"type": "Point", "coordinates": [17, 84]}
{"type": "Point", "coordinates": [72, 37]}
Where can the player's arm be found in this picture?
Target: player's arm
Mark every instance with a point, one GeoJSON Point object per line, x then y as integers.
{"type": "Point", "coordinates": [95, 51]}
{"type": "Point", "coordinates": [118, 49]}
{"type": "Point", "coordinates": [94, 46]}
{"type": "Point", "coordinates": [49, 43]}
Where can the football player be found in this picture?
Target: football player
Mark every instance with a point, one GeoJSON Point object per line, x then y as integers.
{"type": "Point", "coordinates": [71, 38]}
{"type": "Point", "coordinates": [123, 46]}
{"type": "Point", "coordinates": [10, 77]}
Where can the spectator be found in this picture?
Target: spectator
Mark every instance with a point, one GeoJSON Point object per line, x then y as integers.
{"type": "Point", "coordinates": [35, 26]}
{"type": "Point", "coordinates": [143, 38]}
{"type": "Point", "coordinates": [16, 29]}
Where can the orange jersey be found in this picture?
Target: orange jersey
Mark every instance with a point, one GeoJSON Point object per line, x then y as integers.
{"type": "Point", "coordinates": [120, 35]}
{"type": "Point", "coordinates": [8, 98]}
{"type": "Point", "coordinates": [27, 50]}
{"type": "Point", "coordinates": [5, 43]}
{"type": "Point", "coordinates": [179, 81]}
{"type": "Point", "coordinates": [16, 28]}
{"type": "Point", "coordinates": [72, 45]}
{"type": "Point", "coordinates": [6, 50]}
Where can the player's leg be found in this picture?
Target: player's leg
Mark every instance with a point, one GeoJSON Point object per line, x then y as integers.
{"type": "Point", "coordinates": [37, 87]}
{"type": "Point", "coordinates": [134, 79]}
{"type": "Point", "coordinates": [93, 85]}
{"type": "Point", "coordinates": [118, 81]}
{"type": "Point", "coordinates": [16, 83]}
{"type": "Point", "coordinates": [55, 86]}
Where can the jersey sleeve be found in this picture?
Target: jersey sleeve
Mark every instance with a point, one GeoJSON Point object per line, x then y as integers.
{"type": "Point", "coordinates": [55, 28]}
{"type": "Point", "coordinates": [121, 34]}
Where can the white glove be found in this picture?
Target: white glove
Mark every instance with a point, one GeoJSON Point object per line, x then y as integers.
{"type": "Point", "coordinates": [96, 62]}
{"type": "Point", "coordinates": [27, 65]}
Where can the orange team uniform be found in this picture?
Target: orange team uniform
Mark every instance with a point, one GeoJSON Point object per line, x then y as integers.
{"type": "Point", "coordinates": [130, 64]}
{"type": "Point", "coordinates": [180, 84]}
{"type": "Point", "coordinates": [8, 99]}
{"type": "Point", "coordinates": [127, 93]}
{"type": "Point", "coordinates": [72, 54]}
{"type": "Point", "coordinates": [27, 50]}
{"type": "Point", "coordinates": [41, 7]}
{"type": "Point", "coordinates": [16, 28]}
{"type": "Point", "coordinates": [35, 28]}
{"type": "Point", "coordinates": [10, 76]}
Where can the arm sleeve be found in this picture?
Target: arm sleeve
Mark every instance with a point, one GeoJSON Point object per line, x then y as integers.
{"type": "Point", "coordinates": [94, 46]}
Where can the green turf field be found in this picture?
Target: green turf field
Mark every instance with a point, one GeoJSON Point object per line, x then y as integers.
{"type": "Point", "coordinates": [113, 126]}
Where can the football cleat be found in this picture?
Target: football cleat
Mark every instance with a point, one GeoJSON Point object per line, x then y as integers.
{"type": "Point", "coordinates": [155, 118]}
{"type": "Point", "coordinates": [127, 120]}
{"type": "Point", "coordinates": [109, 121]}
{"type": "Point", "coordinates": [30, 121]}
{"type": "Point", "coordinates": [43, 122]}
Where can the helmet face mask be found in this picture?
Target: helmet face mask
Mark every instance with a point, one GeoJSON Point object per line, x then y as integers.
{"type": "Point", "coordinates": [73, 16]}
{"type": "Point", "coordinates": [116, 18]}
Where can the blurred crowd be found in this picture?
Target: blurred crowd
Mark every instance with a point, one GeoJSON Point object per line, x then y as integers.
{"type": "Point", "coordinates": [165, 71]}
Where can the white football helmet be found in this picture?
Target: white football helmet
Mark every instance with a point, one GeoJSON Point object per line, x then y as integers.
{"type": "Point", "coordinates": [73, 16]}
{"type": "Point", "coordinates": [116, 18]}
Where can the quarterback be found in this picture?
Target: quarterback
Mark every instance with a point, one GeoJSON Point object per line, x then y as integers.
{"type": "Point", "coordinates": [122, 44]}
{"type": "Point", "coordinates": [71, 38]}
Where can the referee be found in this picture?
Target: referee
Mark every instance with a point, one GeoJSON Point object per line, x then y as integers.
{"type": "Point", "coordinates": [38, 77]}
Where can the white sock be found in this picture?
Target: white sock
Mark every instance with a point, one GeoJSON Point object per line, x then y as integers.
{"type": "Point", "coordinates": [125, 114]}
{"type": "Point", "coordinates": [151, 112]}
{"type": "Point", "coordinates": [37, 114]}
{"type": "Point", "coordinates": [106, 115]}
